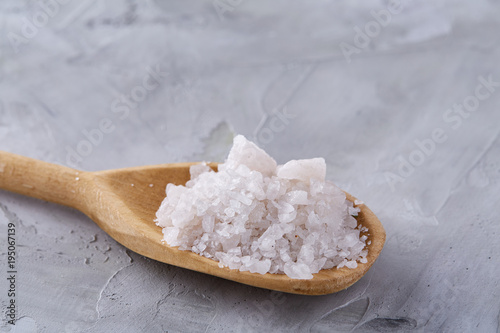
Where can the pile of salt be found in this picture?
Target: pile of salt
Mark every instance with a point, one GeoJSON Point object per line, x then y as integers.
{"type": "Point", "coordinates": [256, 216]}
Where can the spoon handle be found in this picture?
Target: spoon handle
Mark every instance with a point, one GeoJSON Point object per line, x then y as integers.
{"type": "Point", "coordinates": [41, 180]}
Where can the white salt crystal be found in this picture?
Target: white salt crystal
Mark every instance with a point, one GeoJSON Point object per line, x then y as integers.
{"type": "Point", "coordinates": [351, 264]}
{"type": "Point", "coordinates": [353, 211]}
{"type": "Point", "coordinates": [247, 153]}
{"type": "Point", "coordinates": [285, 255]}
{"type": "Point", "coordinates": [229, 211]}
{"type": "Point", "coordinates": [297, 198]}
{"type": "Point", "coordinates": [306, 254]}
{"type": "Point", "coordinates": [350, 240]}
{"type": "Point", "coordinates": [261, 267]}
{"type": "Point", "coordinates": [198, 169]}
{"type": "Point", "coordinates": [298, 271]}
{"type": "Point", "coordinates": [255, 216]}
{"type": "Point", "coordinates": [287, 217]}
{"type": "Point", "coordinates": [273, 190]}
{"type": "Point", "coordinates": [304, 170]}
{"type": "Point", "coordinates": [318, 264]}
{"type": "Point", "coordinates": [208, 223]}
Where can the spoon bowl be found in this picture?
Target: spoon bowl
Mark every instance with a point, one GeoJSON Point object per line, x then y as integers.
{"type": "Point", "coordinates": [123, 203]}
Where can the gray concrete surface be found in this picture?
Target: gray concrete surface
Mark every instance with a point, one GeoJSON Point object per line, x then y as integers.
{"type": "Point", "coordinates": [402, 99]}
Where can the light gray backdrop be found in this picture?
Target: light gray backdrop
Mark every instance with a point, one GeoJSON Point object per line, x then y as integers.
{"type": "Point", "coordinates": [401, 98]}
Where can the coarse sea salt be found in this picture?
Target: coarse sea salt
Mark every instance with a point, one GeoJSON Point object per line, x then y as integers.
{"type": "Point", "coordinates": [254, 215]}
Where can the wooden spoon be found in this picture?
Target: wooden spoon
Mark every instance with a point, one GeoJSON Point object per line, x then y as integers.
{"type": "Point", "coordinates": [123, 203]}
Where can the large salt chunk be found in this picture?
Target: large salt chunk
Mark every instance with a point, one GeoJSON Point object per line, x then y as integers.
{"type": "Point", "coordinates": [303, 170]}
{"type": "Point", "coordinates": [247, 153]}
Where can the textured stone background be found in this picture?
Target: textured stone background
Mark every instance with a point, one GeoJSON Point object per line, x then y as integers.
{"type": "Point", "coordinates": [300, 79]}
